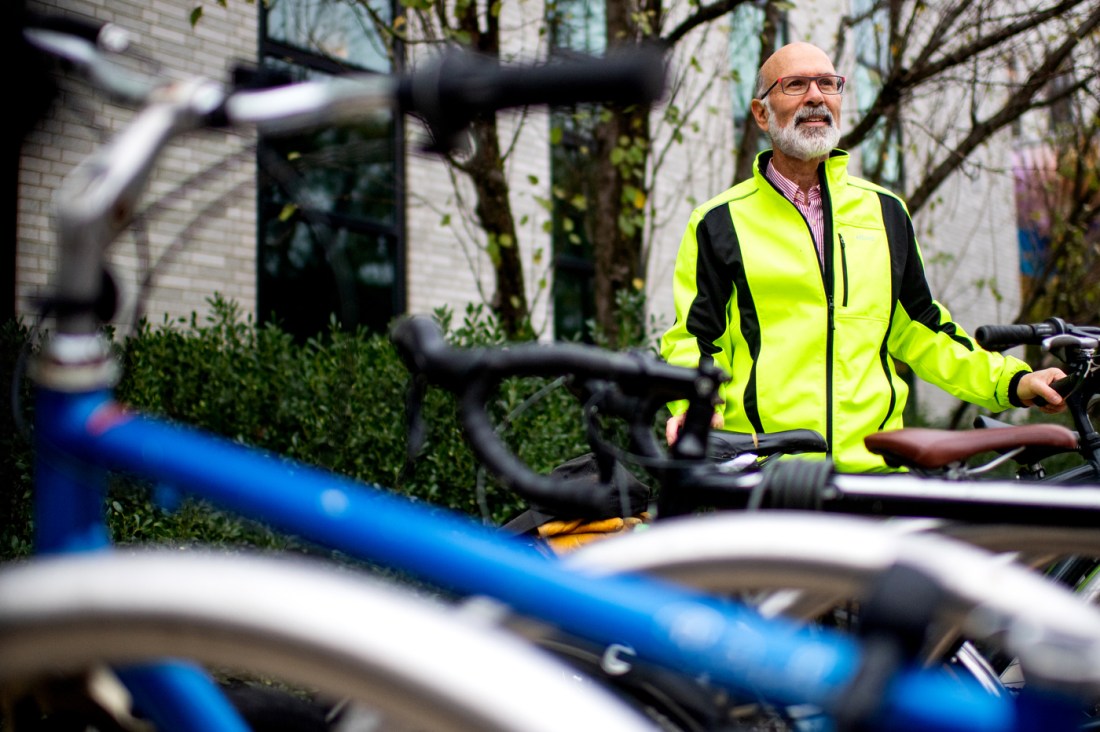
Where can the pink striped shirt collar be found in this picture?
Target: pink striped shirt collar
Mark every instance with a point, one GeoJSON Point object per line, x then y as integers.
{"type": "Point", "coordinates": [808, 203]}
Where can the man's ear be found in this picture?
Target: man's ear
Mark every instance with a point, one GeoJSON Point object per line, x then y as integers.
{"type": "Point", "coordinates": [760, 114]}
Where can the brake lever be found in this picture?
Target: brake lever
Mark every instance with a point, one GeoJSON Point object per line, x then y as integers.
{"type": "Point", "coordinates": [1061, 345]}
{"type": "Point", "coordinates": [692, 442]}
{"type": "Point", "coordinates": [1065, 342]}
{"type": "Point", "coordinates": [416, 431]}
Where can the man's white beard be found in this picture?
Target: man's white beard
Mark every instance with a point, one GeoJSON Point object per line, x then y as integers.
{"type": "Point", "coordinates": [804, 143]}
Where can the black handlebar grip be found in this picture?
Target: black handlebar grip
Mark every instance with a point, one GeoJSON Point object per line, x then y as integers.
{"type": "Point", "coordinates": [628, 78]}
{"type": "Point", "coordinates": [463, 84]}
{"type": "Point", "coordinates": [460, 86]}
{"type": "Point", "coordinates": [1000, 337]}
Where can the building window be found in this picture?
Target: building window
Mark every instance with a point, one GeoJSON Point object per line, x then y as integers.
{"type": "Point", "coordinates": [747, 31]}
{"type": "Point", "coordinates": [330, 201]}
{"type": "Point", "coordinates": [571, 169]}
{"type": "Point", "coordinates": [746, 26]}
{"type": "Point", "coordinates": [881, 151]}
{"type": "Point", "coordinates": [576, 26]}
{"type": "Point", "coordinates": [579, 26]}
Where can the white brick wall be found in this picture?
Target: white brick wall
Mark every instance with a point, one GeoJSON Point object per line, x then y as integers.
{"type": "Point", "coordinates": [220, 252]}
{"type": "Point", "coordinates": [969, 244]}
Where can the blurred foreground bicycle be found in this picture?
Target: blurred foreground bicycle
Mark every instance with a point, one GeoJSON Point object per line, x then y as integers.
{"type": "Point", "coordinates": [78, 606]}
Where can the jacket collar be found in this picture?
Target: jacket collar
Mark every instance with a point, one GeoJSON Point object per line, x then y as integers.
{"type": "Point", "coordinates": [836, 168]}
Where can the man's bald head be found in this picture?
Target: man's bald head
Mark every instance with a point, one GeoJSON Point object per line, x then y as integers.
{"type": "Point", "coordinates": [794, 58]}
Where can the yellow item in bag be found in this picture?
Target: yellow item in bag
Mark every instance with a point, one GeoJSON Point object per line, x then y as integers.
{"type": "Point", "coordinates": [564, 536]}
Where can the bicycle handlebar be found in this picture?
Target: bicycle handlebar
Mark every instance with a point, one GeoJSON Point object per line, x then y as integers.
{"type": "Point", "coordinates": [447, 93]}
{"type": "Point", "coordinates": [642, 383]}
{"type": "Point", "coordinates": [450, 92]}
{"type": "Point", "coordinates": [641, 386]}
{"type": "Point", "coordinates": [1000, 337]}
{"type": "Point", "coordinates": [1051, 333]}
{"type": "Point", "coordinates": [1054, 335]}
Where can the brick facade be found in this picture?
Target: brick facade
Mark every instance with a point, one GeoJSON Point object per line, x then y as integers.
{"type": "Point", "coordinates": [218, 218]}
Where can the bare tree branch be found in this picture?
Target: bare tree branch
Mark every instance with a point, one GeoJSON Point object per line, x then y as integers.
{"type": "Point", "coordinates": [847, 22]}
{"type": "Point", "coordinates": [938, 37]}
{"type": "Point", "coordinates": [704, 14]}
{"type": "Point", "coordinates": [1013, 108]}
{"type": "Point", "coordinates": [903, 78]}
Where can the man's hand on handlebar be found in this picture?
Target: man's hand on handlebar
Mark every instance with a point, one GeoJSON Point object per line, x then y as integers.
{"type": "Point", "coordinates": [1037, 384]}
{"type": "Point", "coordinates": [675, 423]}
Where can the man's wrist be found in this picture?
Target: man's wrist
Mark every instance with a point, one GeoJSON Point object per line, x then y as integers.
{"type": "Point", "coordinates": [1014, 388]}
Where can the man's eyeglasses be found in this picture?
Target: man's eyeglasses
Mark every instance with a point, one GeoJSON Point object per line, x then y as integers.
{"type": "Point", "coordinates": [796, 86]}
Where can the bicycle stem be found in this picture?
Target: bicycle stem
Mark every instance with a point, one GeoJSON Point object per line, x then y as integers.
{"type": "Point", "coordinates": [99, 198]}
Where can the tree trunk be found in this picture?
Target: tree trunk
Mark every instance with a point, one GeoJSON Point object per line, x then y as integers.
{"type": "Point", "coordinates": [494, 213]}
{"type": "Point", "coordinates": [750, 132]}
{"type": "Point", "coordinates": [622, 155]}
{"type": "Point", "coordinates": [617, 225]}
{"type": "Point", "coordinates": [493, 209]}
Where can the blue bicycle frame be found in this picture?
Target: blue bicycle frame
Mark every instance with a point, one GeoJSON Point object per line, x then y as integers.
{"type": "Point", "coordinates": [82, 435]}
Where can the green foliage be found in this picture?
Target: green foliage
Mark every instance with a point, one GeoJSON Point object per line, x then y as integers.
{"type": "Point", "coordinates": [633, 332]}
{"type": "Point", "coordinates": [337, 401]}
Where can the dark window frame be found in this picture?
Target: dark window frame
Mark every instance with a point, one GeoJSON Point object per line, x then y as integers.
{"type": "Point", "coordinates": [574, 267]}
{"type": "Point", "coordinates": [574, 261]}
{"type": "Point", "coordinates": [395, 232]}
{"type": "Point", "coordinates": [871, 60]}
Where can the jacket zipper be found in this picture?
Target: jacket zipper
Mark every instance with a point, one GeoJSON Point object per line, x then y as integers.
{"type": "Point", "coordinates": [829, 277]}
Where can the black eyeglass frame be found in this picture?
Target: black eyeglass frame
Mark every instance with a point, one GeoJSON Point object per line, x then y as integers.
{"type": "Point", "coordinates": [840, 82]}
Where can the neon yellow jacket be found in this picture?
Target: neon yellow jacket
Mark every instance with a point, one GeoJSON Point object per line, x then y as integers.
{"type": "Point", "coordinates": [811, 345]}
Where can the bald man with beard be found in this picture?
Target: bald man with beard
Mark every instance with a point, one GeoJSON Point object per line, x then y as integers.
{"type": "Point", "coordinates": [807, 286]}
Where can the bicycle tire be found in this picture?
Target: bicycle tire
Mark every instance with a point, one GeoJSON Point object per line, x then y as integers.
{"type": "Point", "coordinates": [295, 620]}
{"type": "Point", "coordinates": [1037, 546]}
{"type": "Point", "coordinates": [827, 559]}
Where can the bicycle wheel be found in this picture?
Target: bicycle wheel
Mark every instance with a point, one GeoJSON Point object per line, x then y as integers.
{"type": "Point", "coordinates": [412, 660]}
{"type": "Point", "coordinates": [1036, 546]}
{"type": "Point", "coordinates": [821, 561]}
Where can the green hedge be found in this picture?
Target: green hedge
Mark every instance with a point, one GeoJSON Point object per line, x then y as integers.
{"type": "Point", "coordinates": [337, 401]}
